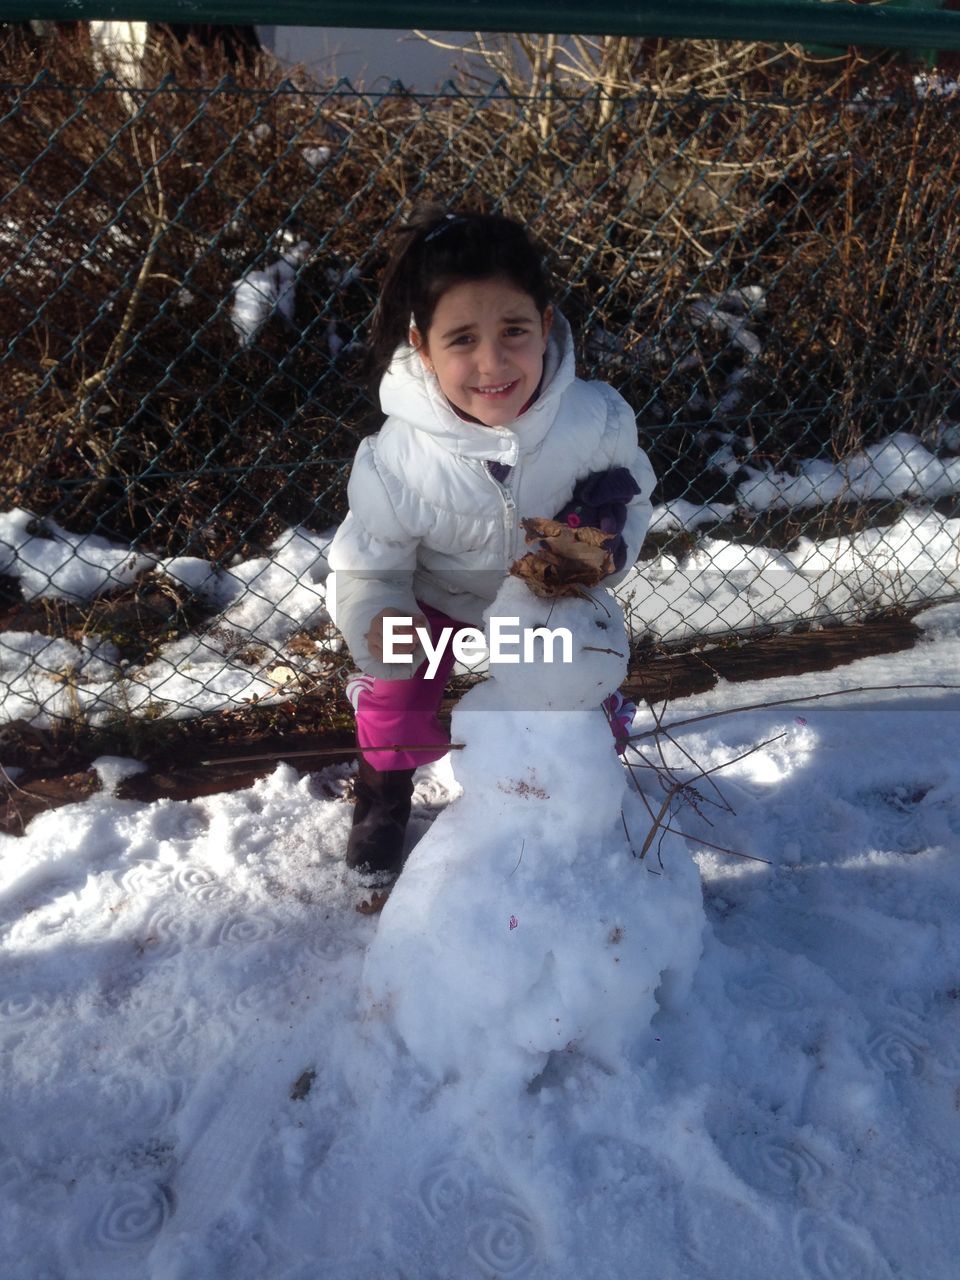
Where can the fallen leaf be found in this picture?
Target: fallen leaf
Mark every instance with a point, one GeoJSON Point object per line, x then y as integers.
{"type": "Point", "coordinates": [567, 561]}
{"type": "Point", "coordinates": [374, 904]}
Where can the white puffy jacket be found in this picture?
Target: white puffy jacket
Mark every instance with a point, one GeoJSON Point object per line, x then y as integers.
{"type": "Point", "coordinates": [428, 521]}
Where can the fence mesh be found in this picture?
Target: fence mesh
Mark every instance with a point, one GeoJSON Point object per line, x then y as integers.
{"type": "Point", "coordinates": [188, 276]}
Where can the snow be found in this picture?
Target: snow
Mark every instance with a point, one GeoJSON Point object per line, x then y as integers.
{"type": "Point", "coordinates": [52, 563]}
{"type": "Point", "coordinates": [196, 1082]}
{"type": "Point", "coordinates": [119, 47]}
{"type": "Point", "coordinates": [262, 603]}
{"type": "Point", "coordinates": [717, 314]}
{"type": "Point", "coordinates": [900, 466]}
{"type": "Point", "coordinates": [316, 157]}
{"type": "Point", "coordinates": [724, 586]}
{"type": "Point", "coordinates": [935, 85]}
{"type": "Point", "coordinates": [284, 590]}
{"type": "Point", "coordinates": [682, 514]}
{"type": "Point", "coordinates": [257, 295]}
{"type": "Point", "coordinates": [46, 679]}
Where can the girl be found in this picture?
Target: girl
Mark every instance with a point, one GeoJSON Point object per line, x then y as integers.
{"type": "Point", "coordinates": [487, 423]}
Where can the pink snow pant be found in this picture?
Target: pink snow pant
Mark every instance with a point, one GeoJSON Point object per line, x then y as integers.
{"type": "Point", "coordinates": [396, 716]}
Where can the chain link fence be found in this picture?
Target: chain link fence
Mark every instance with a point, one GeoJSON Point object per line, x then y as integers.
{"type": "Point", "coordinates": [769, 275]}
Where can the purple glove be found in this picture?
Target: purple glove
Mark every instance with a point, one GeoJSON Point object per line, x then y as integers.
{"type": "Point", "coordinates": [600, 501]}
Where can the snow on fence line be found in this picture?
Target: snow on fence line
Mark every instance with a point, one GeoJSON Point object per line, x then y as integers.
{"type": "Point", "coordinates": [266, 633]}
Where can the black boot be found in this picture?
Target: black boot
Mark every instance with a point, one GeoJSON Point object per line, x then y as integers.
{"type": "Point", "coordinates": [379, 818]}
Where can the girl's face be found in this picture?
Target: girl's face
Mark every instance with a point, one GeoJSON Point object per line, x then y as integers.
{"type": "Point", "coordinates": [486, 344]}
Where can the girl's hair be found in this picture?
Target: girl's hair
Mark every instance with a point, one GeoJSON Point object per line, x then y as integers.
{"type": "Point", "coordinates": [437, 250]}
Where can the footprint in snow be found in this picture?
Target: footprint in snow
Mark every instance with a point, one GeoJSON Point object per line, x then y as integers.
{"type": "Point", "coordinates": [167, 1027]}
{"type": "Point", "coordinates": [829, 1249]}
{"type": "Point", "coordinates": [20, 1008]}
{"type": "Point", "coordinates": [145, 879]}
{"type": "Point", "coordinates": [905, 1047]}
{"type": "Point", "coordinates": [477, 1222]}
{"type": "Point", "coordinates": [764, 989]}
{"type": "Point", "coordinates": [131, 1216]}
{"type": "Point", "coordinates": [166, 933]}
{"type": "Point", "coordinates": [257, 1000]}
{"type": "Point", "coordinates": [780, 1165]}
{"type": "Point", "coordinates": [896, 1051]}
{"type": "Point", "coordinates": [200, 883]}
{"type": "Point", "coordinates": [147, 1101]}
{"type": "Point", "coordinates": [242, 928]}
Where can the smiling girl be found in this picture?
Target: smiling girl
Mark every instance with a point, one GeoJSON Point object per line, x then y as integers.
{"type": "Point", "coordinates": [487, 423]}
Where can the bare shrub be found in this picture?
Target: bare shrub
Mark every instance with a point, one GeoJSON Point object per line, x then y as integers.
{"type": "Point", "coordinates": [748, 243]}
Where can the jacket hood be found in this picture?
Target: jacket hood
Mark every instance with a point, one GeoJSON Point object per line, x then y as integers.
{"type": "Point", "coordinates": [410, 393]}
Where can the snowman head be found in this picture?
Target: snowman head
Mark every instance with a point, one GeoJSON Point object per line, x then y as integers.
{"type": "Point", "coordinates": [562, 654]}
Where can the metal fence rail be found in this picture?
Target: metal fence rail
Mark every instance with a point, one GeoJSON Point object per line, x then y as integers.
{"type": "Point", "coordinates": [188, 276]}
{"type": "Point", "coordinates": [895, 24]}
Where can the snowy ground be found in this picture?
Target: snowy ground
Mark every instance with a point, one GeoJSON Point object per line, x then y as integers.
{"type": "Point", "coordinates": [192, 1085]}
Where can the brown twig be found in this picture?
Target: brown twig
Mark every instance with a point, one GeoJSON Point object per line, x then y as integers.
{"type": "Point", "coordinates": [719, 848]}
{"type": "Point", "coordinates": [326, 751]}
{"type": "Point", "coordinates": [785, 702]}
{"type": "Point", "coordinates": [159, 220]}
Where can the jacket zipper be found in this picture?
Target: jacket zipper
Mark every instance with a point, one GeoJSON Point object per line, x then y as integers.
{"type": "Point", "coordinates": [509, 511]}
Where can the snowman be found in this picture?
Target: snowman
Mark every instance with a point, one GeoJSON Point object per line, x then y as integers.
{"type": "Point", "coordinates": [526, 924]}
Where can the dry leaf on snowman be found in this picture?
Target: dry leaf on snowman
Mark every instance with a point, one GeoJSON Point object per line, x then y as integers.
{"type": "Point", "coordinates": [567, 561]}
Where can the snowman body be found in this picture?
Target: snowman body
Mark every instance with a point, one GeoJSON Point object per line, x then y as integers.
{"type": "Point", "coordinates": [525, 923]}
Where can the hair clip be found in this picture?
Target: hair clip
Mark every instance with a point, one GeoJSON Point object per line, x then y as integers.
{"type": "Point", "coordinates": [449, 220]}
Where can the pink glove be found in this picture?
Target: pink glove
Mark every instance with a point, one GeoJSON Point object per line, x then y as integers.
{"type": "Point", "coordinates": [620, 713]}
